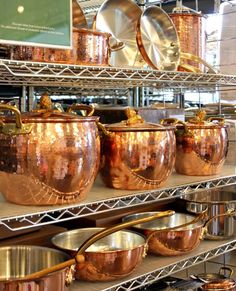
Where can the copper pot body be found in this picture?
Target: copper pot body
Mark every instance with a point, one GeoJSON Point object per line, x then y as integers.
{"type": "Point", "coordinates": [89, 47]}
{"type": "Point", "coordinates": [191, 32]}
{"type": "Point", "coordinates": [19, 261]}
{"type": "Point", "coordinates": [202, 151]}
{"type": "Point", "coordinates": [56, 163]}
{"type": "Point", "coordinates": [137, 160]}
{"type": "Point", "coordinates": [164, 241]}
{"type": "Point", "coordinates": [112, 257]}
{"type": "Point", "coordinates": [220, 285]}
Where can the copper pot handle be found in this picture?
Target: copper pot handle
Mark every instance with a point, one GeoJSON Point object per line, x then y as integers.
{"type": "Point", "coordinates": [114, 44]}
{"type": "Point", "coordinates": [169, 121]}
{"type": "Point", "coordinates": [89, 109]}
{"type": "Point", "coordinates": [220, 120]}
{"type": "Point", "coordinates": [14, 128]}
{"type": "Point", "coordinates": [223, 269]}
{"type": "Point", "coordinates": [230, 212]}
{"type": "Point", "coordinates": [197, 59]}
{"type": "Point", "coordinates": [79, 258]}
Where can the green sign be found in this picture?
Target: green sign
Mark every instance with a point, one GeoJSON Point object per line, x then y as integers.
{"type": "Point", "coordinates": [36, 22]}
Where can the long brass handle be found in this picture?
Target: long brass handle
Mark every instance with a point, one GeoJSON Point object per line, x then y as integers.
{"type": "Point", "coordinates": [79, 258]}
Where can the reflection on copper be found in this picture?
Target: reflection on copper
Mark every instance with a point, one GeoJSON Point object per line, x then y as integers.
{"type": "Point", "coordinates": [138, 159]}
{"type": "Point", "coordinates": [203, 152]}
{"type": "Point", "coordinates": [55, 164]}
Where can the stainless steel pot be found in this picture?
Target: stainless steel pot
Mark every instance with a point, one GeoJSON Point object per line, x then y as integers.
{"type": "Point", "coordinates": [19, 261]}
{"type": "Point", "coordinates": [174, 235]}
{"type": "Point", "coordinates": [213, 202]}
{"type": "Point", "coordinates": [47, 157]}
{"type": "Point", "coordinates": [137, 155]}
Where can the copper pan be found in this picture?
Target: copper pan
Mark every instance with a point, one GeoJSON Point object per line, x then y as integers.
{"type": "Point", "coordinates": [175, 235]}
{"type": "Point", "coordinates": [25, 282]}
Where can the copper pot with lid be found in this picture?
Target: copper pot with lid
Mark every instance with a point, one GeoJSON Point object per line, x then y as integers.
{"type": "Point", "coordinates": [201, 146]}
{"type": "Point", "coordinates": [47, 157]}
{"type": "Point", "coordinates": [137, 155]}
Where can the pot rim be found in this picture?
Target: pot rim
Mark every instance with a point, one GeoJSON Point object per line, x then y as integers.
{"type": "Point", "coordinates": [206, 202]}
{"type": "Point", "coordinates": [98, 229]}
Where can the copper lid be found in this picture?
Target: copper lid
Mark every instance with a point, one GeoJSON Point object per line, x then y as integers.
{"type": "Point", "coordinates": [136, 123]}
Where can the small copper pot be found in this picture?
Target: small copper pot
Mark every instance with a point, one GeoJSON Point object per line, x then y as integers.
{"type": "Point", "coordinates": [47, 157]}
{"type": "Point", "coordinates": [201, 146]}
{"type": "Point", "coordinates": [137, 155]}
{"type": "Point", "coordinates": [220, 285]}
{"type": "Point", "coordinates": [89, 48]}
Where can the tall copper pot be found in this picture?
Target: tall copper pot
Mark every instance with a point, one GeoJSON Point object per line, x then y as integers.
{"type": "Point", "coordinates": [137, 155]}
{"type": "Point", "coordinates": [191, 32]}
{"type": "Point", "coordinates": [47, 157]}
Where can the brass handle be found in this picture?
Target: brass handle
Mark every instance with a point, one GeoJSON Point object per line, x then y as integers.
{"type": "Point", "coordinates": [89, 109]}
{"type": "Point", "coordinates": [105, 131]}
{"type": "Point", "coordinates": [169, 121]}
{"type": "Point", "coordinates": [14, 128]}
{"type": "Point", "coordinates": [79, 258]}
{"type": "Point", "coordinates": [115, 45]}
{"type": "Point", "coordinates": [221, 120]}
{"type": "Point", "coordinates": [223, 269]}
{"type": "Point", "coordinates": [197, 59]}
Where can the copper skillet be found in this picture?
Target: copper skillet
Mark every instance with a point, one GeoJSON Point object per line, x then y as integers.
{"type": "Point", "coordinates": [159, 43]}
{"type": "Point", "coordinates": [79, 258]}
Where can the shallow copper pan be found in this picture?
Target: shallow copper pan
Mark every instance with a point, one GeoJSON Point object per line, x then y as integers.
{"type": "Point", "coordinates": [158, 40]}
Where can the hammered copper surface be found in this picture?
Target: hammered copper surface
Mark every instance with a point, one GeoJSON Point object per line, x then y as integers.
{"type": "Point", "coordinates": [137, 160]}
{"type": "Point", "coordinates": [162, 240]}
{"type": "Point", "coordinates": [88, 48]}
{"type": "Point", "coordinates": [192, 36]}
{"type": "Point", "coordinates": [113, 257]}
{"type": "Point", "coordinates": [19, 261]}
{"type": "Point", "coordinates": [158, 40]}
{"type": "Point", "coordinates": [55, 164]}
{"type": "Point", "coordinates": [202, 151]}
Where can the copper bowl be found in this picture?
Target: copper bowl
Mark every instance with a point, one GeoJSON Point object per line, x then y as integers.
{"type": "Point", "coordinates": [47, 157]}
{"type": "Point", "coordinates": [169, 236]}
{"type": "Point", "coordinates": [112, 257]}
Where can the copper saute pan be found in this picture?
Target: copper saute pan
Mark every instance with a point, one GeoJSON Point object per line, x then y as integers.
{"type": "Point", "coordinates": [175, 235]}
{"type": "Point", "coordinates": [38, 276]}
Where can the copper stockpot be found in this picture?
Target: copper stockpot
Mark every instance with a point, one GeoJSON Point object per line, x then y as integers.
{"type": "Point", "coordinates": [47, 157]}
{"type": "Point", "coordinates": [201, 146]}
{"type": "Point", "coordinates": [175, 235]}
{"type": "Point", "coordinates": [19, 261]}
{"type": "Point", "coordinates": [220, 285]}
{"type": "Point", "coordinates": [137, 155]}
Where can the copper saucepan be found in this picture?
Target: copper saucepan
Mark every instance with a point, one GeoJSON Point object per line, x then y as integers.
{"type": "Point", "coordinates": [35, 276]}
{"type": "Point", "coordinates": [175, 235]}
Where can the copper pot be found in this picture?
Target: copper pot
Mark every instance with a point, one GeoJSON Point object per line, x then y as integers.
{"type": "Point", "coordinates": [220, 285]}
{"type": "Point", "coordinates": [47, 157]}
{"type": "Point", "coordinates": [191, 32]}
{"type": "Point", "coordinates": [175, 235]}
{"type": "Point", "coordinates": [137, 155]}
{"type": "Point", "coordinates": [20, 261]}
{"type": "Point", "coordinates": [201, 146]}
{"type": "Point", "coordinates": [89, 47]}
